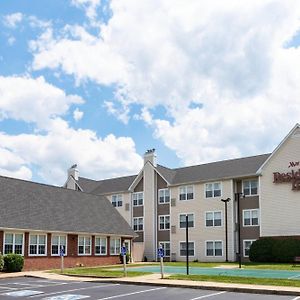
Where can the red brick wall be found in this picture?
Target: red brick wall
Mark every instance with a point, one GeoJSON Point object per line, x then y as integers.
{"type": "Point", "coordinates": [44, 263]}
{"type": "Point", "coordinates": [71, 260]}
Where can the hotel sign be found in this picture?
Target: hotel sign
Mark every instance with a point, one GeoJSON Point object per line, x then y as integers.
{"type": "Point", "coordinates": [292, 176]}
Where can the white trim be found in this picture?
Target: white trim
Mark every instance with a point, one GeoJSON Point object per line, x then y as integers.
{"type": "Point", "coordinates": [158, 198]}
{"type": "Point", "coordinates": [14, 240]}
{"type": "Point", "coordinates": [184, 214]}
{"type": "Point", "coordinates": [214, 248]}
{"type": "Point", "coordinates": [138, 224]}
{"type": "Point", "coordinates": [213, 182]}
{"type": "Point", "coordinates": [213, 212]}
{"type": "Point", "coordinates": [59, 243]}
{"type": "Point", "coordinates": [37, 245]}
{"type": "Point", "coordinates": [244, 248]}
{"type": "Point", "coordinates": [259, 171]}
{"type": "Point", "coordinates": [100, 237]}
{"type": "Point", "coordinates": [251, 210]}
{"type": "Point", "coordinates": [251, 179]}
{"type": "Point", "coordinates": [84, 245]}
{"type": "Point", "coordinates": [115, 238]}
{"type": "Point", "coordinates": [117, 201]}
{"type": "Point", "coordinates": [135, 193]}
{"type": "Point", "coordinates": [179, 242]}
{"type": "Point", "coordinates": [165, 229]}
{"type": "Point", "coordinates": [186, 186]}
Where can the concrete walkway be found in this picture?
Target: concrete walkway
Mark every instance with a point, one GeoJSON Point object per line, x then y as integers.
{"type": "Point", "coordinates": [154, 279]}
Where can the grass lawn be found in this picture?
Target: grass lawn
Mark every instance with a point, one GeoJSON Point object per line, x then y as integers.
{"type": "Point", "coordinates": [241, 280]}
{"type": "Point", "coordinates": [103, 272]}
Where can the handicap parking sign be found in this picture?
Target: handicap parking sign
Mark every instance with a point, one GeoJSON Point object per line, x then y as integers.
{"type": "Point", "coordinates": [61, 253]}
{"type": "Point", "coordinates": [123, 250]}
{"type": "Point", "coordinates": [160, 252]}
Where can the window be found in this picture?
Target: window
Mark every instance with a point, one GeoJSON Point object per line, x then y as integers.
{"type": "Point", "coordinates": [183, 248]}
{"type": "Point", "coordinates": [247, 245]}
{"type": "Point", "coordinates": [37, 244]}
{"type": "Point", "coordinates": [164, 222]}
{"type": "Point", "coordinates": [100, 245]}
{"type": "Point", "coordinates": [182, 220]}
{"type": "Point", "coordinates": [84, 245]}
{"type": "Point", "coordinates": [115, 246]}
{"type": "Point", "coordinates": [214, 248]}
{"type": "Point", "coordinates": [163, 196]}
{"type": "Point", "coordinates": [186, 192]}
{"type": "Point", "coordinates": [166, 247]}
{"type": "Point", "coordinates": [250, 217]}
{"type": "Point", "coordinates": [250, 187]}
{"type": "Point", "coordinates": [138, 199]}
{"type": "Point", "coordinates": [116, 200]}
{"type": "Point", "coordinates": [13, 243]}
{"type": "Point", "coordinates": [213, 219]}
{"type": "Point", "coordinates": [213, 190]}
{"type": "Point", "coordinates": [138, 224]}
{"type": "Point", "coordinates": [58, 241]}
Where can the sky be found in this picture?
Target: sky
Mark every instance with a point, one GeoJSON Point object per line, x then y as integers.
{"type": "Point", "coordinates": [98, 82]}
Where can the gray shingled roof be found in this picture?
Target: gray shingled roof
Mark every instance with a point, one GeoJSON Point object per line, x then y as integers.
{"type": "Point", "coordinates": [34, 206]}
{"type": "Point", "coordinates": [113, 185]}
{"type": "Point", "coordinates": [232, 168]}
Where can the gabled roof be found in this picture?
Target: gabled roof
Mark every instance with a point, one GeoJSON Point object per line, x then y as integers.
{"type": "Point", "coordinates": [33, 206]}
{"type": "Point", "coordinates": [112, 185]}
{"type": "Point", "coordinates": [233, 168]}
{"type": "Point", "coordinates": [226, 169]}
{"type": "Point", "coordinates": [295, 130]}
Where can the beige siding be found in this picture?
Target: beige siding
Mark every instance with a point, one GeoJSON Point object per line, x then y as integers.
{"type": "Point", "coordinates": [126, 214]}
{"type": "Point", "coordinates": [200, 233]}
{"type": "Point", "coordinates": [280, 205]}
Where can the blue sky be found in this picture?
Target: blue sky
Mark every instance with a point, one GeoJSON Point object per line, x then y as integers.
{"type": "Point", "coordinates": [97, 83]}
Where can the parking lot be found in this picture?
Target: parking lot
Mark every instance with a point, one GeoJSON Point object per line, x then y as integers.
{"type": "Point", "coordinates": [34, 288]}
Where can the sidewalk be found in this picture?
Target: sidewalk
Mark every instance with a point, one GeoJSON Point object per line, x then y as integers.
{"type": "Point", "coordinates": [154, 279]}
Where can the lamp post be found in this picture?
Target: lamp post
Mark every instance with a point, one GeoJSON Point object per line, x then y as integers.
{"type": "Point", "coordinates": [187, 242]}
{"type": "Point", "coordinates": [237, 197]}
{"type": "Point", "coordinates": [226, 227]}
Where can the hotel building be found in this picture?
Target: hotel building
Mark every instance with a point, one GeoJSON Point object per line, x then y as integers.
{"type": "Point", "coordinates": [264, 193]}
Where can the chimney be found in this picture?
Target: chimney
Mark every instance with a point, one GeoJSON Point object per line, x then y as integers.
{"type": "Point", "coordinates": [73, 171]}
{"type": "Point", "coordinates": [150, 156]}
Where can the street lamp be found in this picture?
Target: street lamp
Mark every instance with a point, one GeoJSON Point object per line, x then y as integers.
{"type": "Point", "coordinates": [237, 197]}
{"type": "Point", "coordinates": [226, 226]}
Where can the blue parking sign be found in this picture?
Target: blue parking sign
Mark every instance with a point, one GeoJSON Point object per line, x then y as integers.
{"type": "Point", "coordinates": [160, 252]}
{"type": "Point", "coordinates": [123, 250]}
{"type": "Point", "coordinates": [61, 252]}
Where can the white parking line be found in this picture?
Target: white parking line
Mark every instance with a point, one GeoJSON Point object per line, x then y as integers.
{"type": "Point", "coordinates": [78, 289]}
{"type": "Point", "coordinates": [210, 295]}
{"type": "Point", "coordinates": [133, 293]}
{"type": "Point", "coordinates": [297, 298]}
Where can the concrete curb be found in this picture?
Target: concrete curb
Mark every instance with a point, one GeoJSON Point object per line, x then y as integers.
{"type": "Point", "coordinates": [214, 286]}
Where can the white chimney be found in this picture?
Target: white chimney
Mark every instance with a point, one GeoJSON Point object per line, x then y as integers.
{"type": "Point", "coordinates": [150, 156]}
{"type": "Point", "coordinates": [73, 171]}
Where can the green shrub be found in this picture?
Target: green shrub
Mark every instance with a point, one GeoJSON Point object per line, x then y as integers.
{"type": "Point", "coordinates": [262, 250]}
{"type": "Point", "coordinates": [286, 250]}
{"type": "Point", "coordinates": [274, 250]}
{"type": "Point", "coordinates": [1, 262]}
{"type": "Point", "coordinates": [13, 262]}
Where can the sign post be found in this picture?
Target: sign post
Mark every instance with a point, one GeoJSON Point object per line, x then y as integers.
{"type": "Point", "coordinates": [161, 254]}
{"type": "Point", "coordinates": [61, 254]}
{"type": "Point", "coordinates": [123, 253]}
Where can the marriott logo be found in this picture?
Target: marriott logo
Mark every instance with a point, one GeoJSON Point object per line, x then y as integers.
{"type": "Point", "coordinates": [293, 164]}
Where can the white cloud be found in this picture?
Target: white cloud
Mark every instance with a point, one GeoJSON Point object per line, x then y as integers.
{"type": "Point", "coordinates": [11, 40]}
{"type": "Point", "coordinates": [90, 7]}
{"type": "Point", "coordinates": [226, 56]}
{"type": "Point", "coordinates": [12, 20]}
{"type": "Point", "coordinates": [33, 100]}
{"type": "Point", "coordinates": [77, 114]}
{"type": "Point", "coordinates": [52, 153]}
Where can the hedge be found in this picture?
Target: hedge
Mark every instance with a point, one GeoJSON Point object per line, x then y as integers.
{"type": "Point", "coordinates": [1, 262]}
{"type": "Point", "coordinates": [13, 262]}
{"type": "Point", "coordinates": [274, 250]}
